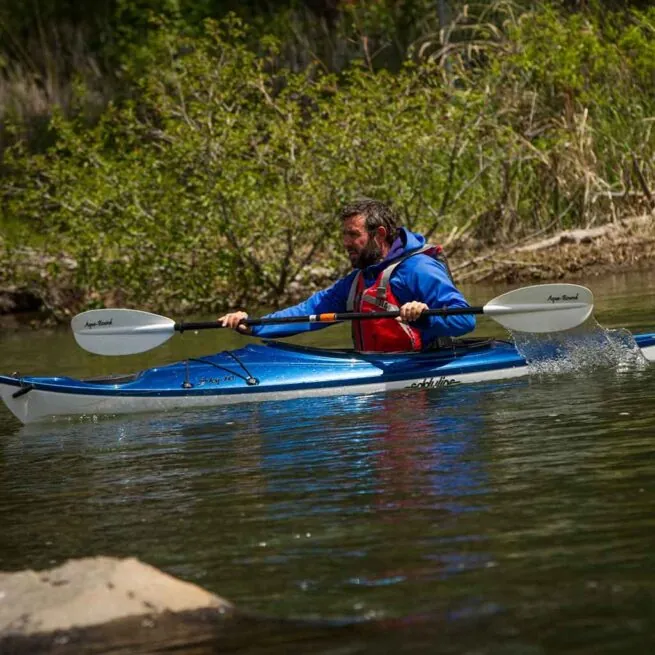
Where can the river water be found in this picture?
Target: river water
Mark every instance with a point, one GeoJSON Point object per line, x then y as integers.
{"type": "Point", "coordinates": [508, 517]}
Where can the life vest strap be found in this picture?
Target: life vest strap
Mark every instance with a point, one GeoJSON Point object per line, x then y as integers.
{"type": "Point", "coordinates": [435, 251]}
{"type": "Point", "coordinates": [382, 303]}
{"type": "Point", "coordinates": [352, 294]}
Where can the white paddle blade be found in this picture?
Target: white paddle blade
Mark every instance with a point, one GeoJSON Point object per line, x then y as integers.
{"type": "Point", "coordinates": [120, 331]}
{"type": "Point", "coordinates": [542, 307]}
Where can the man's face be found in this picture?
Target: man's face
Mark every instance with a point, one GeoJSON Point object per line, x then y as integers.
{"type": "Point", "coordinates": [362, 248]}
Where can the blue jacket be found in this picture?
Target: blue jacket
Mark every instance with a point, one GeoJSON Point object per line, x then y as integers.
{"type": "Point", "coordinates": [420, 278]}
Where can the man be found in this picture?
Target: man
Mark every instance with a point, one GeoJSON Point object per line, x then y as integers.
{"type": "Point", "coordinates": [393, 269]}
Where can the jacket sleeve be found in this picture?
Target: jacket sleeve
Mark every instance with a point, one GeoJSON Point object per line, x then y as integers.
{"type": "Point", "coordinates": [332, 299]}
{"type": "Point", "coordinates": [426, 280]}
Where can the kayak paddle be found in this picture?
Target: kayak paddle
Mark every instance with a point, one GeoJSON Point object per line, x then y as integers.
{"type": "Point", "coordinates": [538, 308]}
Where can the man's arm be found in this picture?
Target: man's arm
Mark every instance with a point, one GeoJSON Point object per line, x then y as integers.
{"type": "Point", "coordinates": [332, 299]}
{"type": "Point", "coordinates": [423, 279]}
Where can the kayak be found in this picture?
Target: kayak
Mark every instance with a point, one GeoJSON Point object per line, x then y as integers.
{"type": "Point", "coordinates": [267, 371]}
{"type": "Point", "coordinates": [276, 371]}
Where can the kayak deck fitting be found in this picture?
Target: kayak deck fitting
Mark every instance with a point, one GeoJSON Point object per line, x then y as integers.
{"type": "Point", "coordinates": [266, 371]}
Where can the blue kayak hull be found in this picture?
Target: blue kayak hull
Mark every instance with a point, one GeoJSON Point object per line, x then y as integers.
{"type": "Point", "coordinates": [260, 372]}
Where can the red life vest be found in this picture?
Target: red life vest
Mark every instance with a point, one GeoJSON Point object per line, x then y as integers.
{"type": "Point", "coordinates": [385, 335]}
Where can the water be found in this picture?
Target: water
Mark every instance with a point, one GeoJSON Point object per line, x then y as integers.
{"type": "Point", "coordinates": [510, 517]}
{"type": "Point", "coordinates": [583, 349]}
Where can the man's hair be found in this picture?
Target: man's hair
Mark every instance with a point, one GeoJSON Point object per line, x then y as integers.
{"type": "Point", "coordinates": [375, 213]}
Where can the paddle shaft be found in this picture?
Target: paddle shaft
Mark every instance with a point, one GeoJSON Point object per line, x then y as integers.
{"type": "Point", "coordinates": [489, 309]}
{"type": "Point", "coordinates": [328, 318]}
{"type": "Point", "coordinates": [542, 308]}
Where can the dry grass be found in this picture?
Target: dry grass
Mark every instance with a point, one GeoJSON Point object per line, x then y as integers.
{"type": "Point", "coordinates": [54, 68]}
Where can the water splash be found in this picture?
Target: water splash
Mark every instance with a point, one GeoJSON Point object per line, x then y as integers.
{"type": "Point", "coordinates": [582, 349]}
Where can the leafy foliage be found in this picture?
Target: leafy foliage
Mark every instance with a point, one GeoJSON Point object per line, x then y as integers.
{"type": "Point", "coordinates": [217, 181]}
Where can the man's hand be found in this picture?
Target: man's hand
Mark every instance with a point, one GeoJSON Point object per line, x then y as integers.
{"type": "Point", "coordinates": [234, 320]}
{"type": "Point", "coordinates": [411, 311]}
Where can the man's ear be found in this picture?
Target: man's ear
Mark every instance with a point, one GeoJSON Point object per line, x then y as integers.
{"type": "Point", "coordinates": [381, 234]}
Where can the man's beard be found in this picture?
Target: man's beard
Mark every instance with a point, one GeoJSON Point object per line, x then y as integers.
{"type": "Point", "coordinates": [370, 254]}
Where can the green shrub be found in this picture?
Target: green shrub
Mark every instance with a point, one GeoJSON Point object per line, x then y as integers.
{"type": "Point", "coordinates": [217, 183]}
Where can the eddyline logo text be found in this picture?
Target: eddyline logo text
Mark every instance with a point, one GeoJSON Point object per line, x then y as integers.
{"type": "Point", "coordinates": [433, 383]}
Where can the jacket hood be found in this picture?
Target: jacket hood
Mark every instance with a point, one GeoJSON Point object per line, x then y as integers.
{"type": "Point", "coordinates": [404, 243]}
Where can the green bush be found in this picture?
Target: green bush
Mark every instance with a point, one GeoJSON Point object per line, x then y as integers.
{"type": "Point", "coordinates": [217, 183]}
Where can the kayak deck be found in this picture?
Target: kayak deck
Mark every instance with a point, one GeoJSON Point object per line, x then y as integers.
{"type": "Point", "coordinates": [268, 371]}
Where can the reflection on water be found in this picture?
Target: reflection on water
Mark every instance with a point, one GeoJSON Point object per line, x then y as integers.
{"type": "Point", "coordinates": [500, 517]}
{"type": "Point", "coordinates": [394, 468]}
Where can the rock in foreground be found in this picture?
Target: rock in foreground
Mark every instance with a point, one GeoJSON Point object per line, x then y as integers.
{"type": "Point", "coordinates": [92, 593]}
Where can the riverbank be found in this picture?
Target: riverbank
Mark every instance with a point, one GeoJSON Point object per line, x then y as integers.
{"type": "Point", "coordinates": [571, 255]}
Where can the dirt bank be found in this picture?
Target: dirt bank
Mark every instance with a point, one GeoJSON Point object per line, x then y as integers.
{"type": "Point", "coordinates": [571, 255]}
